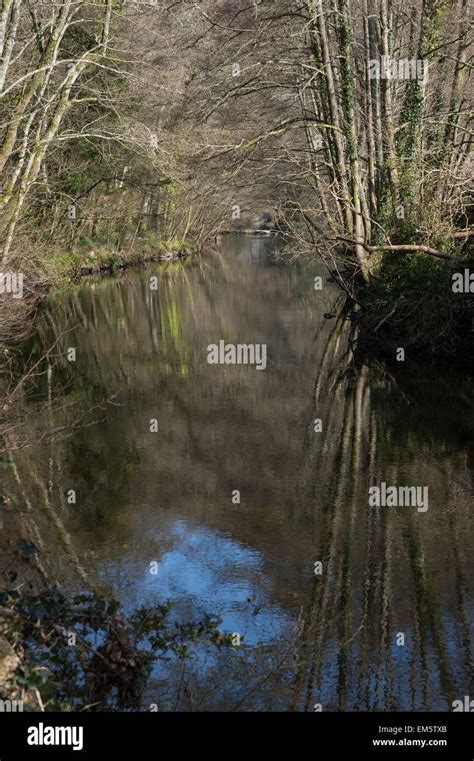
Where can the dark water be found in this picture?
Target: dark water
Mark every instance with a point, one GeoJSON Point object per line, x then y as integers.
{"type": "Point", "coordinates": [387, 624]}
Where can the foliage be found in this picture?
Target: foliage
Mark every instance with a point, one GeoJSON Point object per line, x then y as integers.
{"type": "Point", "coordinates": [82, 651]}
{"type": "Point", "coordinates": [423, 314]}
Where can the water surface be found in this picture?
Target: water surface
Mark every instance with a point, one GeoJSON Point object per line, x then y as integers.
{"type": "Point", "coordinates": [330, 639]}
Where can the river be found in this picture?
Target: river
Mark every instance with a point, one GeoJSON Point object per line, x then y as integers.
{"type": "Point", "coordinates": [211, 485]}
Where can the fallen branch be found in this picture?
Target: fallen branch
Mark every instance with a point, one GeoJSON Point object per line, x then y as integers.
{"type": "Point", "coordinates": [411, 247]}
{"type": "Point", "coordinates": [402, 247]}
{"type": "Point", "coordinates": [463, 234]}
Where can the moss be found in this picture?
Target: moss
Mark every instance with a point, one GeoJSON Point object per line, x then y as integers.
{"type": "Point", "coordinates": [92, 256]}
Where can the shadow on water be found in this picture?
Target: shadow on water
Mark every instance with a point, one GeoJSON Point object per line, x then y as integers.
{"type": "Point", "coordinates": [386, 625]}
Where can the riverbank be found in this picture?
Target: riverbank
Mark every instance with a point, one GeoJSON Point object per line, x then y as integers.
{"type": "Point", "coordinates": [74, 652]}
{"type": "Point", "coordinates": [420, 306]}
{"type": "Point", "coordinates": [94, 260]}
{"type": "Point", "coordinates": [49, 272]}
